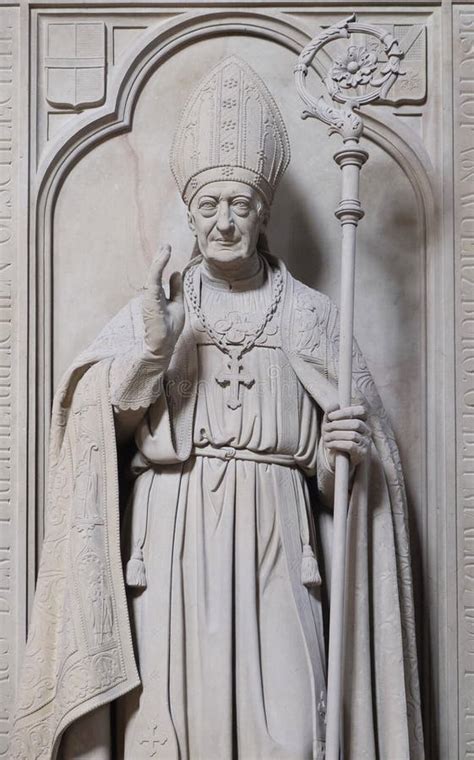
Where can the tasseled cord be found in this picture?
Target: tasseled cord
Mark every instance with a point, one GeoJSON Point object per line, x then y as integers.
{"type": "Point", "coordinates": [309, 565]}
{"type": "Point", "coordinates": [135, 571]}
{"type": "Point", "coordinates": [309, 568]}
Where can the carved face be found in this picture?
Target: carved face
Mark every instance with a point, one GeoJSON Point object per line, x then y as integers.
{"type": "Point", "coordinates": [227, 218]}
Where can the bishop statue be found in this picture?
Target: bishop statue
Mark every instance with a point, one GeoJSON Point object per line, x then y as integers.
{"type": "Point", "coordinates": [182, 614]}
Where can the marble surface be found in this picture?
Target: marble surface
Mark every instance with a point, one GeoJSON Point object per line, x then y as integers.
{"type": "Point", "coordinates": [87, 196]}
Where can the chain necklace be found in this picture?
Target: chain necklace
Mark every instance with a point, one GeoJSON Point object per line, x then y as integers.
{"type": "Point", "coordinates": [233, 375]}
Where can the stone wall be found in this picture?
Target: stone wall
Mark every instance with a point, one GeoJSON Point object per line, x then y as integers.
{"type": "Point", "coordinates": [89, 100]}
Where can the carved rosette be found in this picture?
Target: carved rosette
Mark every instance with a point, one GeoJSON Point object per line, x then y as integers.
{"type": "Point", "coordinates": [354, 68]}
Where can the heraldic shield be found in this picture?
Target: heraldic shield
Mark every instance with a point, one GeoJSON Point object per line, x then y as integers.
{"type": "Point", "coordinates": [75, 65]}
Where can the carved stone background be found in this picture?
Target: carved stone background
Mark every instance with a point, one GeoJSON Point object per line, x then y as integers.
{"type": "Point", "coordinates": [89, 99]}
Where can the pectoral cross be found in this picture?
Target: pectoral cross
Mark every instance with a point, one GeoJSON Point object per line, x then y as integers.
{"type": "Point", "coordinates": [233, 379]}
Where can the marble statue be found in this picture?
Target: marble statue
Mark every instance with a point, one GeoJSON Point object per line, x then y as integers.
{"type": "Point", "coordinates": [201, 634]}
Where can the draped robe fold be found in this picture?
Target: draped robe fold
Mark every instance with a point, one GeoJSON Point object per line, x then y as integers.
{"type": "Point", "coordinates": [79, 653]}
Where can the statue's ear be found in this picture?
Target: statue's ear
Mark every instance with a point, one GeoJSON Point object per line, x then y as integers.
{"type": "Point", "coordinates": [191, 224]}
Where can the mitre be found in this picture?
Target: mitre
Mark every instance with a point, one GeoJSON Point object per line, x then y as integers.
{"type": "Point", "coordinates": [230, 129]}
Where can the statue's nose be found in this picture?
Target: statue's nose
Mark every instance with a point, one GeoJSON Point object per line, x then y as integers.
{"type": "Point", "coordinates": [224, 222]}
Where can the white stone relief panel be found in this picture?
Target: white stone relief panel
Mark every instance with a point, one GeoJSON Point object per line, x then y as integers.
{"type": "Point", "coordinates": [119, 201]}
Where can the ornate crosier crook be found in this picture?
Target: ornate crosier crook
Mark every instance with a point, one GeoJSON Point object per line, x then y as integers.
{"type": "Point", "coordinates": [361, 71]}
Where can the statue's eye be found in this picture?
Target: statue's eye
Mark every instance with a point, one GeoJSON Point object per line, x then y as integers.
{"type": "Point", "coordinates": [207, 207]}
{"type": "Point", "coordinates": [241, 205]}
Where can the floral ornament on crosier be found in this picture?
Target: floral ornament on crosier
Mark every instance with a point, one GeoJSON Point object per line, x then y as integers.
{"type": "Point", "coordinates": [354, 68]}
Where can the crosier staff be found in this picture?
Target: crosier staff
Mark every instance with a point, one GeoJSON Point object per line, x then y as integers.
{"type": "Point", "coordinates": [371, 80]}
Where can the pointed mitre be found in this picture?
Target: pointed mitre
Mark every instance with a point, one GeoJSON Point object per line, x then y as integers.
{"type": "Point", "coordinates": [231, 129]}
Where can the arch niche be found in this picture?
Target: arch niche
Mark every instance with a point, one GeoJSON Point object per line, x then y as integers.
{"type": "Point", "coordinates": [106, 198]}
